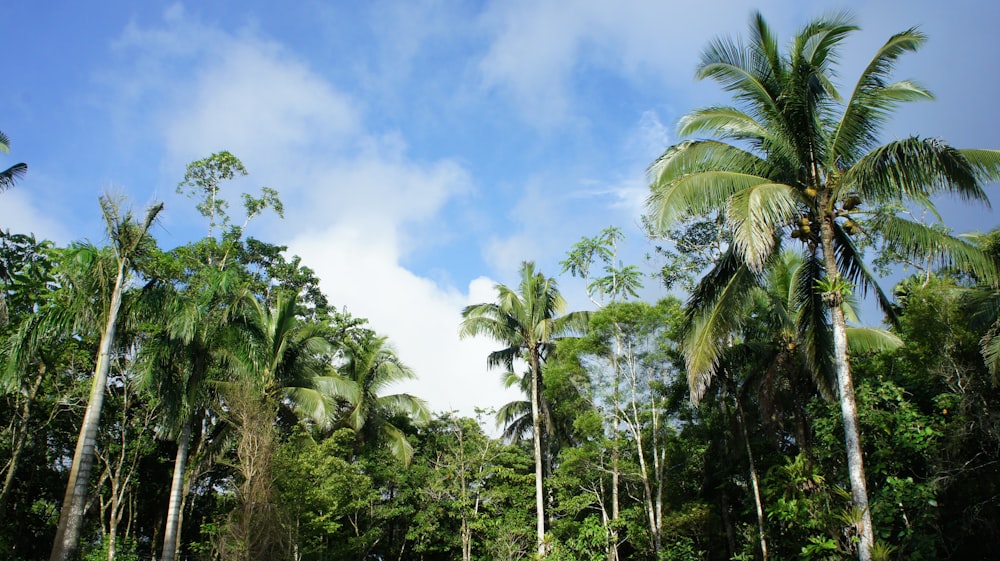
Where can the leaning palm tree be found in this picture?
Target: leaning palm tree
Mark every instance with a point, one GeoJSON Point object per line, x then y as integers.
{"type": "Point", "coordinates": [528, 321]}
{"type": "Point", "coordinates": [795, 162]}
{"type": "Point", "coordinates": [14, 172]}
{"type": "Point", "coordinates": [129, 240]}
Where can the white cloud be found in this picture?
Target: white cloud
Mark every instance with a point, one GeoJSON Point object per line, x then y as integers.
{"type": "Point", "coordinates": [420, 317]}
{"type": "Point", "coordinates": [538, 45]}
{"type": "Point", "coordinates": [380, 190]}
{"type": "Point", "coordinates": [260, 103]}
{"type": "Point", "coordinates": [18, 214]}
{"type": "Point", "coordinates": [351, 194]}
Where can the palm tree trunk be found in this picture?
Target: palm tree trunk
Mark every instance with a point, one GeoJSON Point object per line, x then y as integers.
{"type": "Point", "coordinates": [536, 425]}
{"type": "Point", "coordinates": [67, 539]}
{"type": "Point", "coordinates": [172, 529]}
{"type": "Point", "coordinates": [848, 405]}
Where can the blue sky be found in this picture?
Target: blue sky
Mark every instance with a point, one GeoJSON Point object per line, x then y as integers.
{"type": "Point", "coordinates": [423, 148]}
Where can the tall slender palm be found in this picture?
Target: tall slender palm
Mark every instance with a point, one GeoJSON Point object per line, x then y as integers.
{"type": "Point", "coordinates": [528, 321]}
{"type": "Point", "coordinates": [179, 363]}
{"type": "Point", "coordinates": [129, 240]}
{"type": "Point", "coordinates": [14, 172]}
{"type": "Point", "coordinates": [794, 162]}
{"type": "Point", "coordinates": [370, 367]}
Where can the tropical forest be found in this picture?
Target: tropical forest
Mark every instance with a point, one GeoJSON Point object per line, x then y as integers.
{"type": "Point", "coordinates": [776, 399]}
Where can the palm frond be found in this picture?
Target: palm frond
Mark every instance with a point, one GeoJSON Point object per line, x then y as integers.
{"type": "Point", "coordinates": [914, 167]}
{"type": "Point", "coordinates": [744, 71]}
{"type": "Point", "coordinates": [715, 311]}
{"type": "Point", "coordinates": [503, 358]}
{"type": "Point", "coordinates": [336, 386]}
{"type": "Point", "coordinates": [990, 349]}
{"type": "Point", "coordinates": [695, 194]}
{"type": "Point", "coordinates": [723, 122]}
{"type": "Point", "coordinates": [986, 163]}
{"type": "Point", "coordinates": [756, 214]}
{"type": "Point", "coordinates": [852, 266]}
{"type": "Point", "coordinates": [874, 97]}
{"type": "Point", "coordinates": [313, 404]}
{"type": "Point", "coordinates": [396, 441]}
{"type": "Point", "coordinates": [922, 242]}
{"type": "Point", "coordinates": [812, 324]}
{"type": "Point", "coordinates": [406, 404]}
{"type": "Point", "coordinates": [515, 417]}
{"type": "Point", "coordinates": [870, 339]}
{"type": "Point", "coordinates": [815, 45]}
{"type": "Point", "coordinates": [11, 175]}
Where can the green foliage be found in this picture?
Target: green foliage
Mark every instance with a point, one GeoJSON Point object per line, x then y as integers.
{"type": "Point", "coordinates": [237, 340]}
{"type": "Point", "coordinates": [201, 181]}
{"type": "Point", "coordinates": [682, 549]}
{"type": "Point", "coordinates": [687, 249]}
{"type": "Point", "coordinates": [587, 542]}
{"type": "Point", "coordinates": [125, 550]}
{"type": "Point", "coordinates": [25, 274]}
{"type": "Point", "coordinates": [804, 508]}
{"type": "Point", "coordinates": [619, 281]}
{"type": "Point", "coordinates": [321, 490]}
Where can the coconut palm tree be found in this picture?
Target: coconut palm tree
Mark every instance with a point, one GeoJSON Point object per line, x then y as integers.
{"type": "Point", "coordinates": [110, 272]}
{"type": "Point", "coordinates": [782, 354]}
{"type": "Point", "coordinates": [794, 162]}
{"type": "Point", "coordinates": [14, 172]}
{"type": "Point", "coordinates": [273, 360]}
{"type": "Point", "coordinates": [528, 321]}
{"type": "Point", "coordinates": [370, 366]}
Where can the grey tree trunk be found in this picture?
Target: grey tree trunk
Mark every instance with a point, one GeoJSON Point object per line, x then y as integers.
{"type": "Point", "coordinates": [615, 451]}
{"type": "Point", "coordinates": [172, 530]}
{"type": "Point", "coordinates": [848, 405]}
{"type": "Point", "coordinates": [536, 425]}
{"type": "Point", "coordinates": [66, 543]}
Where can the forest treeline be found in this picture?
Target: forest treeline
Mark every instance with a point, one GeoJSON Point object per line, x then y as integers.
{"type": "Point", "coordinates": [209, 402]}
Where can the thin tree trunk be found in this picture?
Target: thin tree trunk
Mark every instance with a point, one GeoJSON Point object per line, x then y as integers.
{"type": "Point", "coordinates": [615, 452]}
{"type": "Point", "coordinates": [635, 424]}
{"type": "Point", "coordinates": [67, 538]}
{"type": "Point", "coordinates": [727, 522]}
{"type": "Point", "coordinates": [848, 405]}
{"type": "Point", "coordinates": [466, 540]}
{"type": "Point", "coordinates": [112, 541]}
{"type": "Point", "coordinates": [20, 441]}
{"type": "Point", "coordinates": [647, 485]}
{"type": "Point", "coordinates": [536, 425]}
{"type": "Point", "coordinates": [120, 470]}
{"type": "Point", "coordinates": [172, 529]}
{"type": "Point", "coordinates": [755, 483]}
